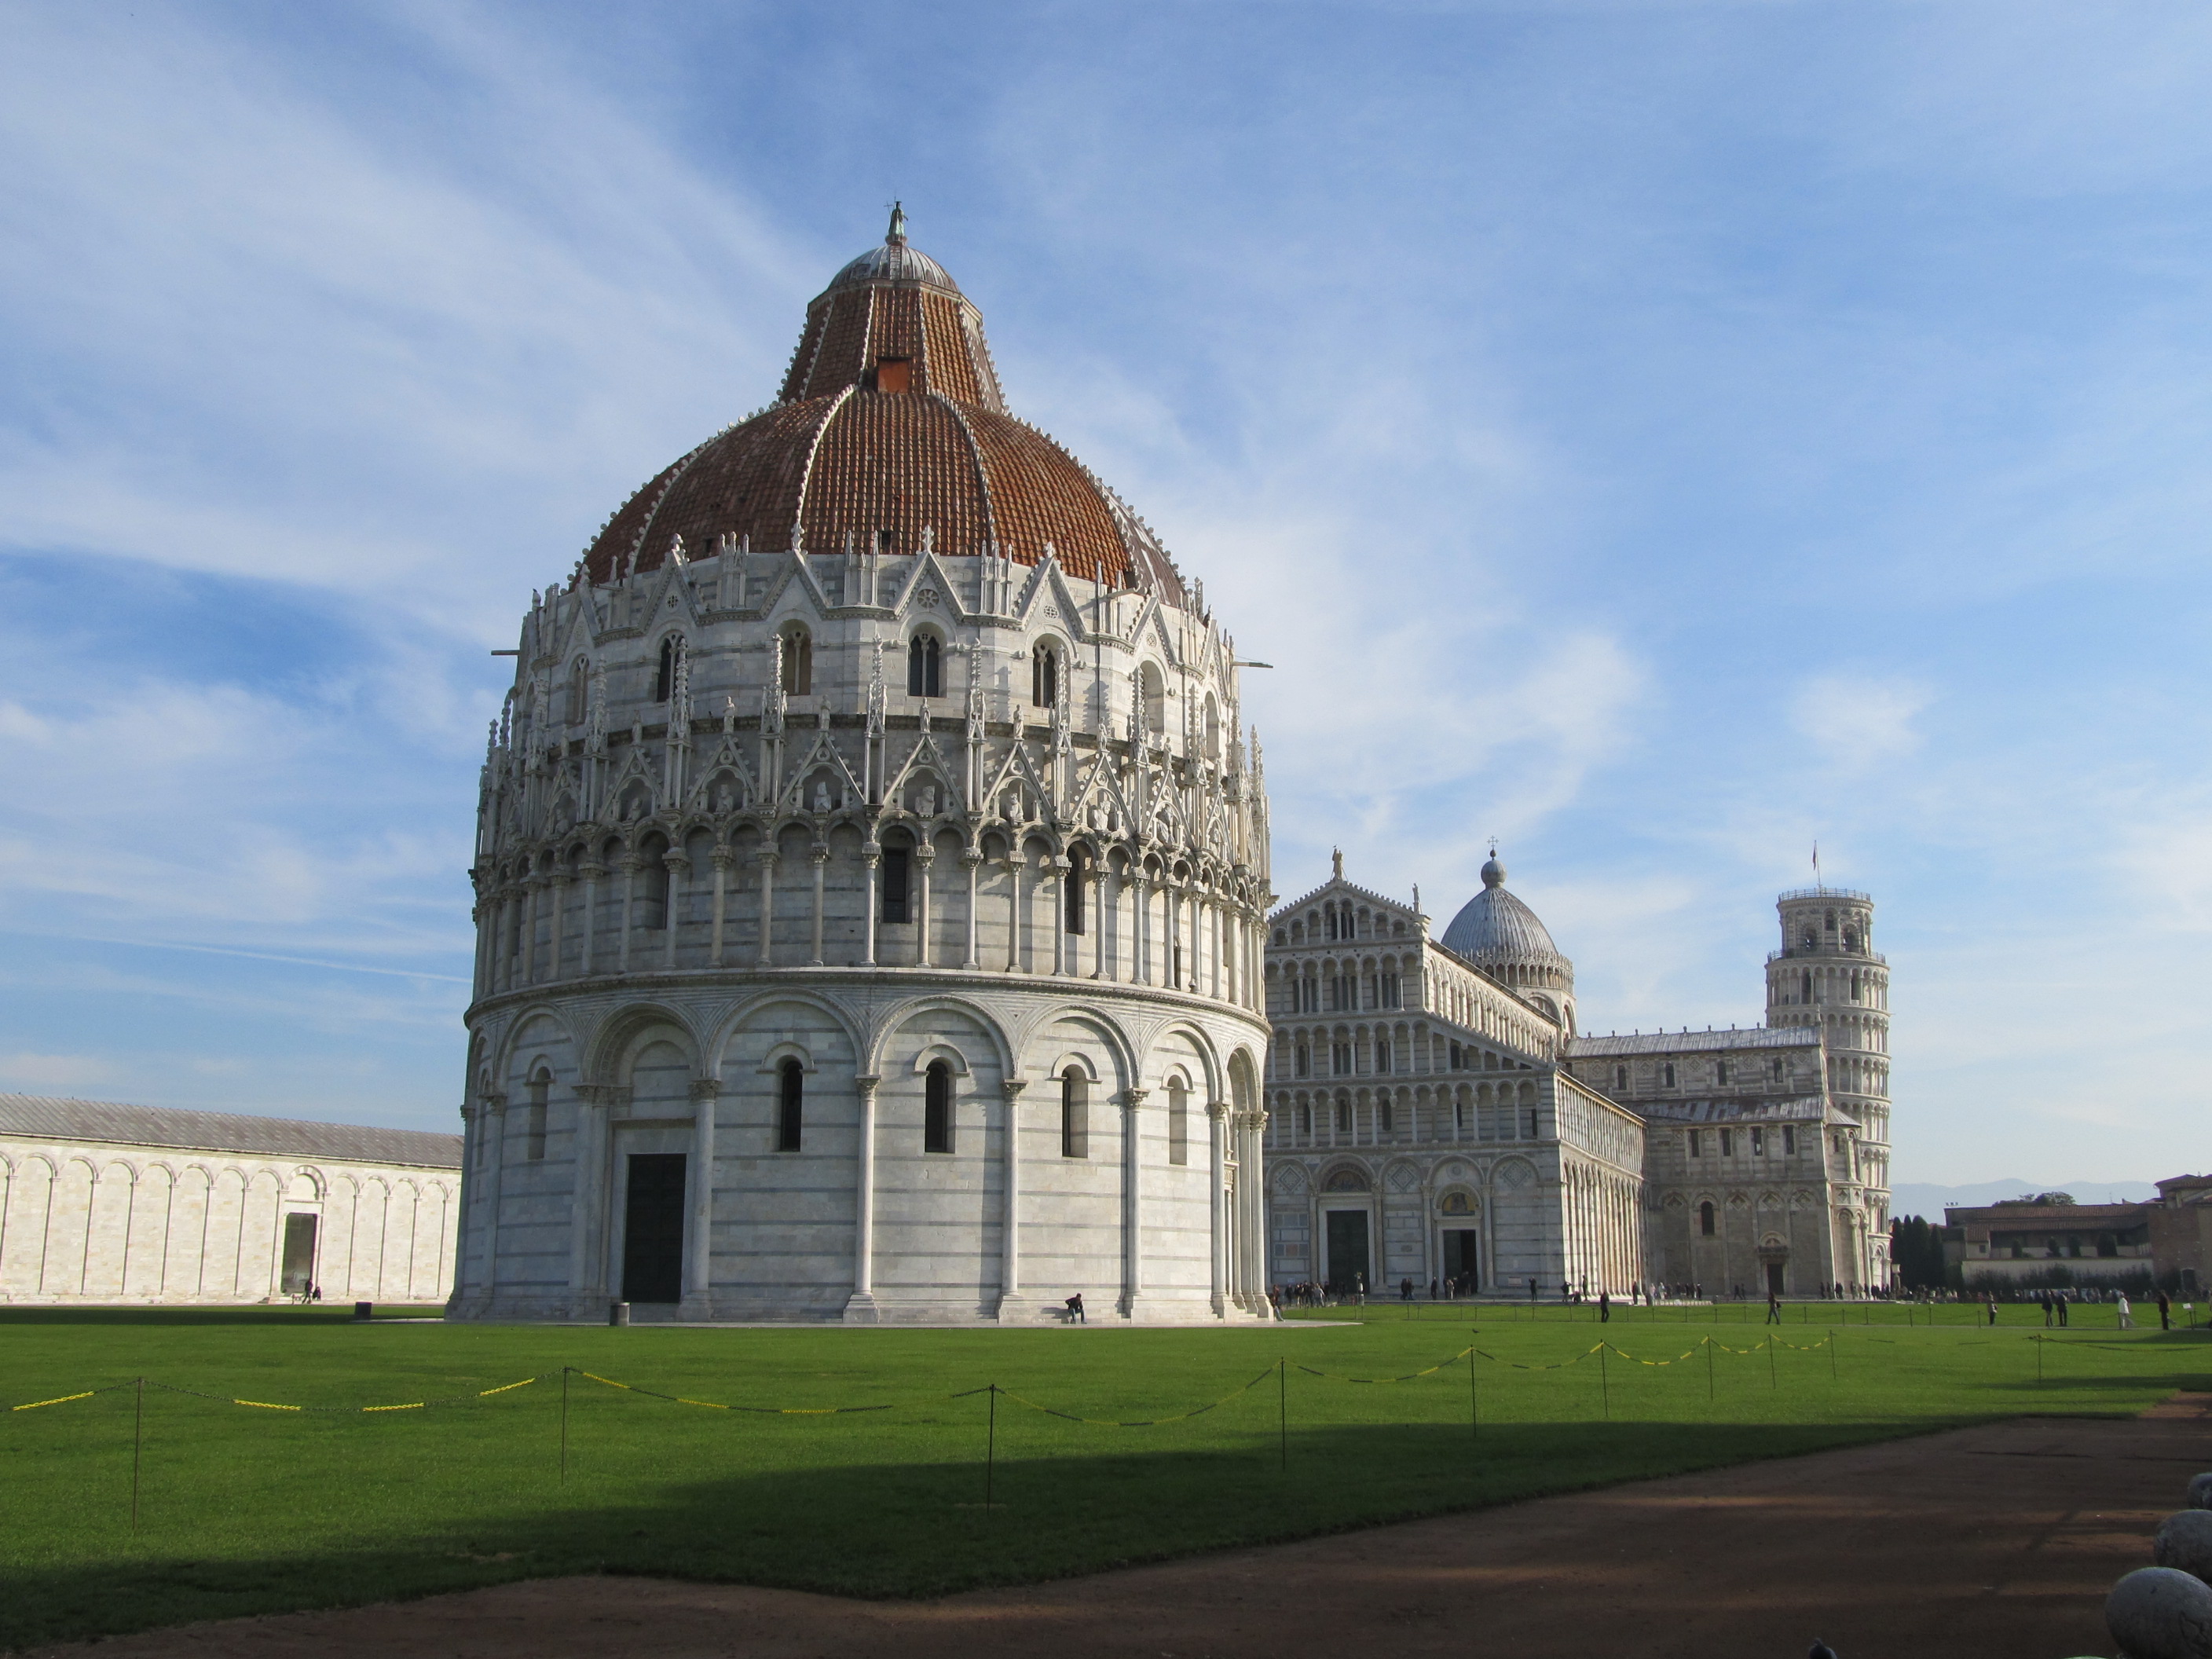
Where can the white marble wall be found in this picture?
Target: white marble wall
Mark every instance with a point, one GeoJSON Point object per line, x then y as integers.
{"type": "Point", "coordinates": [94, 1222]}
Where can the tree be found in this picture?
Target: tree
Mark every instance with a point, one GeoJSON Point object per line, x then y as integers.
{"type": "Point", "coordinates": [2026, 1202]}
{"type": "Point", "coordinates": [1916, 1246]}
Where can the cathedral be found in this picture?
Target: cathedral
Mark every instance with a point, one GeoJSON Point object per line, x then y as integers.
{"type": "Point", "coordinates": [1435, 1113]}
{"type": "Point", "coordinates": [873, 924]}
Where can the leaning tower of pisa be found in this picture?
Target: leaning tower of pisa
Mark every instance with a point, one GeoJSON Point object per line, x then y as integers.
{"type": "Point", "coordinates": [1828, 973]}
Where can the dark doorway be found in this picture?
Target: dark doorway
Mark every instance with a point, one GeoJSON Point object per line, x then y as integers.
{"type": "Point", "coordinates": [1774, 1279]}
{"type": "Point", "coordinates": [1348, 1267]}
{"type": "Point", "coordinates": [298, 1254]}
{"type": "Point", "coordinates": [652, 1229]}
{"type": "Point", "coordinates": [1462, 1261]}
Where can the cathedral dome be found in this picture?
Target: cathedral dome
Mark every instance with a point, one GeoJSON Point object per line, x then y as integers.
{"type": "Point", "coordinates": [1495, 929]}
{"type": "Point", "coordinates": [891, 424]}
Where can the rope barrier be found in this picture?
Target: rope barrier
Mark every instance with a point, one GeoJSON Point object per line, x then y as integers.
{"type": "Point", "coordinates": [1409, 1376]}
{"type": "Point", "coordinates": [276, 1405]}
{"type": "Point", "coordinates": [761, 1411]}
{"type": "Point", "coordinates": [1136, 1423]}
{"type": "Point", "coordinates": [1516, 1366]}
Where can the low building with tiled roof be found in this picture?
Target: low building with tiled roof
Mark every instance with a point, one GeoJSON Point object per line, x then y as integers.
{"type": "Point", "coordinates": [105, 1202]}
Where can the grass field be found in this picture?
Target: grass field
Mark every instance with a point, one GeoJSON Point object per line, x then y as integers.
{"type": "Point", "coordinates": [244, 1510]}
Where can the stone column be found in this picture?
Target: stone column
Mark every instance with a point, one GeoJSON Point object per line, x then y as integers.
{"type": "Point", "coordinates": [1251, 1170]}
{"type": "Point", "coordinates": [924, 854]}
{"type": "Point", "coordinates": [1013, 867]}
{"type": "Point", "coordinates": [1097, 921]}
{"type": "Point", "coordinates": [699, 1247]}
{"type": "Point", "coordinates": [671, 912]}
{"type": "Point", "coordinates": [971, 861]}
{"type": "Point", "coordinates": [724, 857]}
{"type": "Point", "coordinates": [1140, 932]}
{"type": "Point", "coordinates": [766, 858]}
{"type": "Point", "coordinates": [860, 1306]}
{"type": "Point", "coordinates": [491, 1131]}
{"type": "Point", "coordinates": [631, 864]}
{"type": "Point", "coordinates": [821, 868]}
{"type": "Point", "coordinates": [1012, 1305]}
{"type": "Point", "coordinates": [873, 858]}
{"type": "Point", "coordinates": [1059, 868]}
{"type": "Point", "coordinates": [1132, 1216]}
{"type": "Point", "coordinates": [1216, 1116]}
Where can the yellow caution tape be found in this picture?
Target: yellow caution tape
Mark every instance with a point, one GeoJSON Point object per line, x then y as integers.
{"type": "Point", "coordinates": [60, 1399]}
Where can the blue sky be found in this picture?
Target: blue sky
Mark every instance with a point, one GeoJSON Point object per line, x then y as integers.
{"type": "Point", "coordinates": [1656, 434]}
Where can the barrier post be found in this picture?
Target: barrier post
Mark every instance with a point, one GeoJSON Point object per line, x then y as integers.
{"type": "Point", "coordinates": [1283, 1410]}
{"type": "Point", "coordinates": [2039, 1356]}
{"type": "Point", "coordinates": [1832, 1356]}
{"type": "Point", "coordinates": [564, 1426]}
{"type": "Point", "coordinates": [990, 1452]}
{"type": "Point", "coordinates": [137, 1447]}
{"type": "Point", "coordinates": [1604, 1382]}
{"type": "Point", "coordinates": [1771, 1381]}
{"type": "Point", "coordinates": [1474, 1399]}
{"type": "Point", "coordinates": [1709, 1370]}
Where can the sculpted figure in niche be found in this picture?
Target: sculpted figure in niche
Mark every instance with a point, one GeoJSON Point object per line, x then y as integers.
{"type": "Point", "coordinates": [726, 798]}
{"type": "Point", "coordinates": [926, 802]}
{"type": "Point", "coordinates": [821, 796]}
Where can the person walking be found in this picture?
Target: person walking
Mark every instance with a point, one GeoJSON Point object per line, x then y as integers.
{"type": "Point", "coordinates": [1604, 1309]}
{"type": "Point", "coordinates": [1773, 1308]}
{"type": "Point", "coordinates": [2061, 1307]}
{"type": "Point", "coordinates": [1405, 1289]}
{"type": "Point", "coordinates": [2164, 1312]}
{"type": "Point", "coordinates": [1993, 1307]}
{"type": "Point", "coordinates": [2127, 1313]}
{"type": "Point", "coordinates": [2044, 1302]}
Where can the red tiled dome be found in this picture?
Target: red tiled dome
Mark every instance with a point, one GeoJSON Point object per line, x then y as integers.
{"type": "Point", "coordinates": [890, 422]}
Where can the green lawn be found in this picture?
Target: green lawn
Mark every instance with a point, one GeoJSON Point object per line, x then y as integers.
{"type": "Point", "coordinates": [246, 1510]}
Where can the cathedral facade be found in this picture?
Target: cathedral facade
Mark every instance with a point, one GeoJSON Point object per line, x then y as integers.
{"type": "Point", "coordinates": [871, 879]}
{"type": "Point", "coordinates": [1434, 1113]}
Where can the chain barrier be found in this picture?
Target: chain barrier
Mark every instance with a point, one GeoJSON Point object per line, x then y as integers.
{"type": "Point", "coordinates": [1136, 1423]}
{"type": "Point", "coordinates": [761, 1411]}
{"type": "Point", "coordinates": [1409, 1376]}
{"type": "Point", "coordinates": [1563, 1364]}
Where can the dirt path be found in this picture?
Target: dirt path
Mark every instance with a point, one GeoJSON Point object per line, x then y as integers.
{"type": "Point", "coordinates": [1994, 1540]}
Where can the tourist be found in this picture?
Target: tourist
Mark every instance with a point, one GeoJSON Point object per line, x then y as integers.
{"type": "Point", "coordinates": [1604, 1309]}
{"type": "Point", "coordinates": [1774, 1307]}
{"type": "Point", "coordinates": [1432, 1290]}
{"type": "Point", "coordinates": [2061, 1299]}
{"type": "Point", "coordinates": [1993, 1307]}
{"type": "Point", "coordinates": [1075, 1316]}
{"type": "Point", "coordinates": [1405, 1289]}
{"type": "Point", "coordinates": [1532, 1293]}
{"type": "Point", "coordinates": [2044, 1302]}
{"type": "Point", "coordinates": [2127, 1313]}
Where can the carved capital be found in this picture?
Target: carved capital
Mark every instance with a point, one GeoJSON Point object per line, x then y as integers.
{"type": "Point", "coordinates": [1011, 1088]}
{"type": "Point", "coordinates": [1217, 1109]}
{"type": "Point", "coordinates": [706, 1088]}
{"type": "Point", "coordinates": [866, 1084]}
{"type": "Point", "coordinates": [1132, 1098]}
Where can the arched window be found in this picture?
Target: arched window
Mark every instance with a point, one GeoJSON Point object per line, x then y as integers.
{"type": "Point", "coordinates": [1079, 869]}
{"type": "Point", "coordinates": [1805, 987]}
{"type": "Point", "coordinates": [1620, 1079]}
{"type": "Point", "coordinates": [1305, 1061]}
{"type": "Point", "coordinates": [936, 1107]}
{"type": "Point", "coordinates": [1155, 692]}
{"type": "Point", "coordinates": [579, 691]}
{"type": "Point", "coordinates": [1855, 985]}
{"type": "Point", "coordinates": [897, 862]}
{"type": "Point", "coordinates": [1344, 1117]}
{"type": "Point", "coordinates": [1667, 1075]}
{"type": "Point", "coordinates": [652, 885]}
{"type": "Point", "coordinates": [791, 1105]}
{"type": "Point", "coordinates": [1213, 729]}
{"type": "Point", "coordinates": [1044, 676]}
{"type": "Point", "coordinates": [922, 679]}
{"type": "Point", "coordinates": [1178, 1122]}
{"type": "Point", "coordinates": [797, 649]}
{"type": "Point", "coordinates": [1720, 1072]}
{"type": "Point", "coordinates": [540, 1087]}
{"type": "Point", "coordinates": [664, 682]}
{"type": "Point", "coordinates": [1075, 1114]}
{"type": "Point", "coordinates": [1706, 1217]}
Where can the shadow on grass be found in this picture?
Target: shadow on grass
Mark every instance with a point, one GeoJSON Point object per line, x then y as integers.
{"type": "Point", "coordinates": [897, 1530]}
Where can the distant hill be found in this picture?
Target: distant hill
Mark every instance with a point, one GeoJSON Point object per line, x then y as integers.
{"type": "Point", "coordinates": [1919, 1198]}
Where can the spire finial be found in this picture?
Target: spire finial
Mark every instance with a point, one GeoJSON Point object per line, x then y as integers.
{"type": "Point", "coordinates": [1336, 859]}
{"type": "Point", "coordinates": [895, 236]}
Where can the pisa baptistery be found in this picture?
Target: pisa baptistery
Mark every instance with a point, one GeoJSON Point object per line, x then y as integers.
{"type": "Point", "coordinates": [869, 880]}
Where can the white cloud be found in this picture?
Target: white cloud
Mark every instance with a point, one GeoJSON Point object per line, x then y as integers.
{"type": "Point", "coordinates": [1860, 720]}
{"type": "Point", "coordinates": [29, 1073]}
